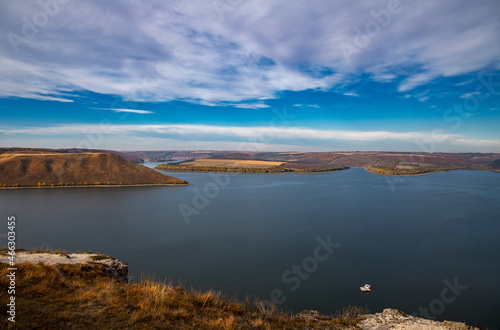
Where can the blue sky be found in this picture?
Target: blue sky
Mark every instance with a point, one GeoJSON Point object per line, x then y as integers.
{"type": "Point", "coordinates": [251, 75]}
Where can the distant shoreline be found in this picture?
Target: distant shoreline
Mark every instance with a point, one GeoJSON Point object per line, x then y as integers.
{"type": "Point", "coordinates": [249, 170]}
{"type": "Point", "coordinates": [101, 186]}
{"type": "Point", "coordinates": [323, 172]}
{"type": "Point", "coordinates": [427, 173]}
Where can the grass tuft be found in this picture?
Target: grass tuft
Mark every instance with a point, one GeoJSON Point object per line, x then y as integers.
{"type": "Point", "coordinates": [351, 315]}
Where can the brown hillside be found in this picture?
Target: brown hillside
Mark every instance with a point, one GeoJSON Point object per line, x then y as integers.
{"type": "Point", "coordinates": [123, 155]}
{"type": "Point", "coordinates": [28, 169]}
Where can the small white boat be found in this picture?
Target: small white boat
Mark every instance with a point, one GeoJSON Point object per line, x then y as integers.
{"type": "Point", "coordinates": [366, 288]}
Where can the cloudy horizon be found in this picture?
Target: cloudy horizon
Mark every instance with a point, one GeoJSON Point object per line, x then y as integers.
{"type": "Point", "coordinates": [231, 74]}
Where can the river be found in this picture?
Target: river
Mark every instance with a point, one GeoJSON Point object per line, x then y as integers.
{"type": "Point", "coordinates": [427, 244]}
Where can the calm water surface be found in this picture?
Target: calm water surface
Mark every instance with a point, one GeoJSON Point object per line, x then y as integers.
{"type": "Point", "coordinates": [404, 236]}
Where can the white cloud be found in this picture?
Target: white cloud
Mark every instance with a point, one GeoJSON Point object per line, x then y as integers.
{"type": "Point", "coordinates": [477, 143]}
{"type": "Point", "coordinates": [142, 112]}
{"type": "Point", "coordinates": [46, 98]}
{"type": "Point", "coordinates": [306, 105]}
{"type": "Point", "coordinates": [25, 80]}
{"type": "Point", "coordinates": [154, 143]}
{"type": "Point", "coordinates": [250, 105]}
{"type": "Point", "coordinates": [416, 80]}
{"type": "Point", "coordinates": [351, 94]}
{"type": "Point", "coordinates": [384, 77]}
{"type": "Point", "coordinates": [183, 50]}
{"type": "Point", "coordinates": [467, 95]}
{"type": "Point", "coordinates": [422, 96]}
{"type": "Point", "coordinates": [242, 138]}
{"type": "Point", "coordinates": [464, 83]}
{"type": "Point", "coordinates": [227, 131]}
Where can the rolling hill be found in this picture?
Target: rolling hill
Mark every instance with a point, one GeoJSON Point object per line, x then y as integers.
{"type": "Point", "coordinates": [22, 168]}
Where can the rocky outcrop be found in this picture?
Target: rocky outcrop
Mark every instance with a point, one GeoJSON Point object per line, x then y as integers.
{"type": "Point", "coordinates": [394, 319]}
{"type": "Point", "coordinates": [113, 267]}
{"type": "Point", "coordinates": [116, 268]}
{"type": "Point", "coordinates": [388, 319]}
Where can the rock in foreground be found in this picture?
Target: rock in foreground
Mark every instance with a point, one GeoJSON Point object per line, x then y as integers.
{"type": "Point", "coordinates": [394, 319]}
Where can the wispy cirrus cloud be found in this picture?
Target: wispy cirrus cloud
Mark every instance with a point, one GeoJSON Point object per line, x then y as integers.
{"type": "Point", "coordinates": [467, 95]}
{"type": "Point", "coordinates": [142, 112]}
{"type": "Point", "coordinates": [422, 96]}
{"type": "Point", "coordinates": [306, 105]}
{"type": "Point", "coordinates": [351, 94]}
{"type": "Point", "coordinates": [235, 131]}
{"type": "Point", "coordinates": [250, 105]}
{"type": "Point", "coordinates": [463, 83]}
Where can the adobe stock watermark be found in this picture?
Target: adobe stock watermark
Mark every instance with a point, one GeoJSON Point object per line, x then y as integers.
{"type": "Point", "coordinates": [381, 20]}
{"type": "Point", "coordinates": [256, 143]}
{"type": "Point", "coordinates": [462, 110]}
{"type": "Point", "coordinates": [94, 136]}
{"type": "Point", "coordinates": [31, 26]}
{"type": "Point", "coordinates": [393, 181]}
{"type": "Point", "coordinates": [470, 104]}
{"type": "Point", "coordinates": [220, 180]}
{"type": "Point", "coordinates": [487, 86]}
{"type": "Point", "coordinates": [202, 197]}
{"type": "Point", "coordinates": [448, 295]}
{"type": "Point", "coordinates": [296, 274]}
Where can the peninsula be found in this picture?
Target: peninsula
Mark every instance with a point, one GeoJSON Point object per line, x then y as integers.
{"type": "Point", "coordinates": [53, 168]}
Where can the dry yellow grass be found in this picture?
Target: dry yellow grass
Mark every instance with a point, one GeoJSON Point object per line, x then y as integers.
{"type": "Point", "coordinates": [232, 163]}
{"type": "Point", "coordinates": [19, 154]}
{"type": "Point", "coordinates": [83, 296]}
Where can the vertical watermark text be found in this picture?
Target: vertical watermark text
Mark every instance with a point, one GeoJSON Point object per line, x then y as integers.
{"type": "Point", "coordinates": [11, 246]}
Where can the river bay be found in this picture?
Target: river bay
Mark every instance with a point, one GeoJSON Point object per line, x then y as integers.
{"type": "Point", "coordinates": [426, 244]}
